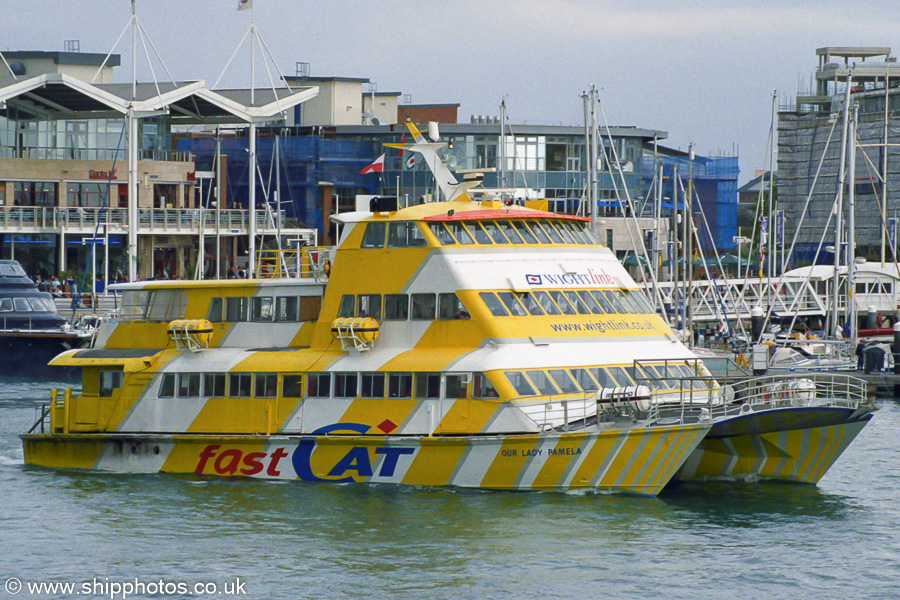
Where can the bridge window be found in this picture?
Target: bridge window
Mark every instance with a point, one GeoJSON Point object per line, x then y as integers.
{"type": "Point", "coordinates": [621, 377]}
{"type": "Point", "coordinates": [552, 232]}
{"type": "Point", "coordinates": [442, 234]}
{"type": "Point", "coordinates": [373, 237]}
{"type": "Point", "coordinates": [543, 298]}
{"type": "Point", "coordinates": [166, 305]}
{"type": "Point", "coordinates": [512, 304]}
{"type": "Point", "coordinates": [405, 234]}
{"type": "Point", "coordinates": [604, 302]}
{"type": "Point", "coordinates": [494, 231]}
{"type": "Point", "coordinates": [536, 230]}
{"type": "Point", "coordinates": [459, 232]}
{"type": "Point", "coordinates": [510, 230]}
{"type": "Point", "coordinates": [481, 236]}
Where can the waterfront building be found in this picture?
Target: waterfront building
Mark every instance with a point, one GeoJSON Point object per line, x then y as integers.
{"type": "Point", "coordinates": [804, 127]}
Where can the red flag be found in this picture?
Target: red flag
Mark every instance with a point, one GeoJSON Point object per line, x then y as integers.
{"type": "Point", "coordinates": [402, 141]}
{"type": "Point", "coordinates": [376, 167]}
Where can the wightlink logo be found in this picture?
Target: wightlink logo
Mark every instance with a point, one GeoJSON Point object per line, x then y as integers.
{"type": "Point", "coordinates": [592, 277]}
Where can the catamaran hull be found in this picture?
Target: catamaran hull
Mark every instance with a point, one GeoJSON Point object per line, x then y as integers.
{"type": "Point", "coordinates": [636, 461]}
{"type": "Point", "coordinates": [751, 446]}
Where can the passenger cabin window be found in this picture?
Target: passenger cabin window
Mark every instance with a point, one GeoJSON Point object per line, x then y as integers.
{"type": "Point", "coordinates": [423, 306]}
{"type": "Point", "coordinates": [292, 386]}
{"type": "Point", "coordinates": [455, 385]}
{"type": "Point", "coordinates": [520, 383]}
{"type": "Point", "coordinates": [405, 234]}
{"type": "Point", "coordinates": [167, 386]}
{"type": "Point", "coordinates": [346, 307]}
{"type": "Point", "coordinates": [396, 307]}
{"type": "Point", "coordinates": [451, 308]}
{"type": "Point", "coordinates": [428, 385]}
{"type": "Point", "coordinates": [345, 385]}
{"type": "Point", "coordinates": [368, 305]}
{"type": "Point", "coordinates": [266, 385]}
{"type": "Point", "coordinates": [373, 236]}
{"type": "Point", "coordinates": [188, 385]}
{"type": "Point", "coordinates": [110, 381]}
{"type": "Point", "coordinates": [399, 385]}
{"type": "Point", "coordinates": [494, 305]}
{"type": "Point", "coordinates": [214, 385]}
{"type": "Point", "coordinates": [214, 314]}
{"type": "Point", "coordinates": [6, 304]}
{"type": "Point", "coordinates": [22, 304]}
{"type": "Point", "coordinates": [372, 385]}
{"type": "Point", "coordinates": [262, 309]}
{"type": "Point", "coordinates": [235, 309]}
{"type": "Point", "coordinates": [287, 308]}
{"type": "Point", "coordinates": [319, 385]}
{"type": "Point", "coordinates": [482, 387]}
{"type": "Point", "coordinates": [542, 382]}
{"type": "Point", "coordinates": [239, 385]}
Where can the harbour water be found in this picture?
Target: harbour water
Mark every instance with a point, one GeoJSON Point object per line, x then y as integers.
{"type": "Point", "coordinates": [840, 539]}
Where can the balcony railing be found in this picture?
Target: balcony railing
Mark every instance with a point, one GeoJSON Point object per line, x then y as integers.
{"type": "Point", "coordinates": [49, 219]}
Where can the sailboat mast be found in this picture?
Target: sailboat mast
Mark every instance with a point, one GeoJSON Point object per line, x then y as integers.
{"type": "Point", "coordinates": [839, 212]}
{"type": "Point", "coordinates": [851, 229]}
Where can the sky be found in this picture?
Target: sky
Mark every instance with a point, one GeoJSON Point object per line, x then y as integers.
{"type": "Point", "coordinates": [703, 72]}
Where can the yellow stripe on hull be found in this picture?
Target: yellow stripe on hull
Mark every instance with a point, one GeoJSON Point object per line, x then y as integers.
{"type": "Point", "coordinates": [638, 461]}
{"type": "Point", "coordinates": [801, 455]}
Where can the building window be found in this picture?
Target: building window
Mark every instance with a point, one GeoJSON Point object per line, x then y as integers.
{"type": "Point", "coordinates": [86, 194]}
{"type": "Point", "coordinates": [31, 193]}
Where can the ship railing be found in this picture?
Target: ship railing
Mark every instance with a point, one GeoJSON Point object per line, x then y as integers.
{"type": "Point", "coordinates": [302, 262]}
{"type": "Point", "coordinates": [627, 406]}
{"type": "Point", "coordinates": [779, 391]}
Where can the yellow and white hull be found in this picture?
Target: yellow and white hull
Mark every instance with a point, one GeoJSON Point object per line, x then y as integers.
{"type": "Point", "coordinates": [636, 461]}
{"type": "Point", "coordinates": [801, 455]}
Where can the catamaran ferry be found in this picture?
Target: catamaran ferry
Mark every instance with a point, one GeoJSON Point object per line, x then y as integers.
{"type": "Point", "coordinates": [465, 343]}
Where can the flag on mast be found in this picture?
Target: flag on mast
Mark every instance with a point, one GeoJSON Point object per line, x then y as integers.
{"type": "Point", "coordinates": [245, 4]}
{"type": "Point", "coordinates": [377, 166]}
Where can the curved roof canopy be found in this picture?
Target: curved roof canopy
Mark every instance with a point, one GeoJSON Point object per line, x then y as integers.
{"type": "Point", "coordinates": [59, 96]}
